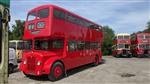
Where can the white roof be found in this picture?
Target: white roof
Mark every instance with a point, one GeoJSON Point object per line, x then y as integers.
{"type": "Point", "coordinates": [16, 41]}
{"type": "Point", "coordinates": [122, 34]}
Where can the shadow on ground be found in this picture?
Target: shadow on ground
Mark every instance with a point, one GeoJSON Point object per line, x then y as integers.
{"type": "Point", "coordinates": [70, 72]}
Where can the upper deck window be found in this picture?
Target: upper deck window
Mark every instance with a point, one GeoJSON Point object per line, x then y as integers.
{"type": "Point", "coordinates": [74, 19]}
{"type": "Point", "coordinates": [123, 37]}
{"type": "Point", "coordinates": [120, 37]}
{"type": "Point", "coordinates": [59, 14]}
{"type": "Point", "coordinates": [126, 37]}
{"type": "Point", "coordinates": [147, 36]}
{"type": "Point", "coordinates": [31, 16]}
{"type": "Point", "coordinates": [142, 36]}
{"type": "Point", "coordinates": [43, 13]}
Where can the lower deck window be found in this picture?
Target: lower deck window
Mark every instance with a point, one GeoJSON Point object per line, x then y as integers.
{"type": "Point", "coordinates": [48, 44]}
{"type": "Point", "coordinates": [72, 45]}
{"type": "Point", "coordinates": [80, 45]}
{"type": "Point", "coordinates": [41, 45]}
{"type": "Point", "coordinates": [57, 44]}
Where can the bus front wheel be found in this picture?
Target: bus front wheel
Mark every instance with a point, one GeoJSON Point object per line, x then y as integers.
{"type": "Point", "coordinates": [57, 72]}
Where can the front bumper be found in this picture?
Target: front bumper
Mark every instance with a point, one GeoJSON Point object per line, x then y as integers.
{"type": "Point", "coordinates": [143, 55]}
{"type": "Point", "coordinates": [125, 55]}
{"type": "Point", "coordinates": [37, 71]}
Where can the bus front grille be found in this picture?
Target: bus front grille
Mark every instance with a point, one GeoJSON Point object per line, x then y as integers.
{"type": "Point", "coordinates": [124, 51]}
{"type": "Point", "coordinates": [31, 63]}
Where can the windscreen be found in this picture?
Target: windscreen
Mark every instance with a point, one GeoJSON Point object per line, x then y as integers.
{"type": "Point", "coordinates": [125, 46]}
{"type": "Point", "coordinates": [31, 16]}
{"type": "Point", "coordinates": [121, 46]}
{"type": "Point", "coordinates": [42, 13]}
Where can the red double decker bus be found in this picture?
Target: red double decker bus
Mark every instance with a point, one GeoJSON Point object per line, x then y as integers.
{"type": "Point", "coordinates": [121, 45]}
{"type": "Point", "coordinates": [140, 44]}
{"type": "Point", "coordinates": [58, 40]}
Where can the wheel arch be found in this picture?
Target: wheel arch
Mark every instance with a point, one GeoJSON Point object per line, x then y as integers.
{"type": "Point", "coordinates": [60, 62]}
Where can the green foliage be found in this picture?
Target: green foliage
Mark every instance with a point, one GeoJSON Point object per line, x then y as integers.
{"type": "Point", "coordinates": [108, 34]}
{"type": "Point", "coordinates": [146, 30]}
{"type": "Point", "coordinates": [148, 27]}
{"type": "Point", "coordinates": [17, 30]}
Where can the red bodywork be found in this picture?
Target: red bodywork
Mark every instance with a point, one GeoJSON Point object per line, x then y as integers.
{"type": "Point", "coordinates": [137, 44]}
{"type": "Point", "coordinates": [117, 51]}
{"type": "Point", "coordinates": [55, 28]}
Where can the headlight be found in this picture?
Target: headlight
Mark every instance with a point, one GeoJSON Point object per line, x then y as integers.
{"type": "Point", "coordinates": [25, 61]}
{"type": "Point", "coordinates": [40, 24]}
{"type": "Point", "coordinates": [38, 63]}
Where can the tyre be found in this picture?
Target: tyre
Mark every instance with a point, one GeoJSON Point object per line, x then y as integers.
{"type": "Point", "coordinates": [117, 56]}
{"type": "Point", "coordinates": [10, 68]}
{"type": "Point", "coordinates": [96, 61]}
{"type": "Point", "coordinates": [130, 56]}
{"type": "Point", "coordinates": [57, 72]}
{"type": "Point", "coordinates": [27, 75]}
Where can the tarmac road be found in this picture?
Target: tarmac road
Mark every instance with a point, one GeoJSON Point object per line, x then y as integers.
{"type": "Point", "coordinates": [113, 71]}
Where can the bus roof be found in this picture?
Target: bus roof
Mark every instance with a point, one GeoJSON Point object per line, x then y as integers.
{"type": "Point", "coordinates": [123, 34]}
{"type": "Point", "coordinates": [142, 33]}
{"type": "Point", "coordinates": [54, 6]}
{"type": "Point", "coordinates": [16, 41]}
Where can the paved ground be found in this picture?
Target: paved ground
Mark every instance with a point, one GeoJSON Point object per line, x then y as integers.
{"type": "Point", "coordinates": [113, 71]}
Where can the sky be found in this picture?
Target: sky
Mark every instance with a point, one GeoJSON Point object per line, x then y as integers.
{"type": "Point", "coordinates": [123, 16]}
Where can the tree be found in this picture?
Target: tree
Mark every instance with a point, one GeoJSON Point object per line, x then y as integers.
{"type": "Point", "coordinates": [108, 34]}
{"type": "Point", "coordinates": [17, 30]}
{"type": "Point", "coordinates": [148, 27]}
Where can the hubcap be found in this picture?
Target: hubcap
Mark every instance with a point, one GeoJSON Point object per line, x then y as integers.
{"type": "Point", "coordinates": [57, 71]}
